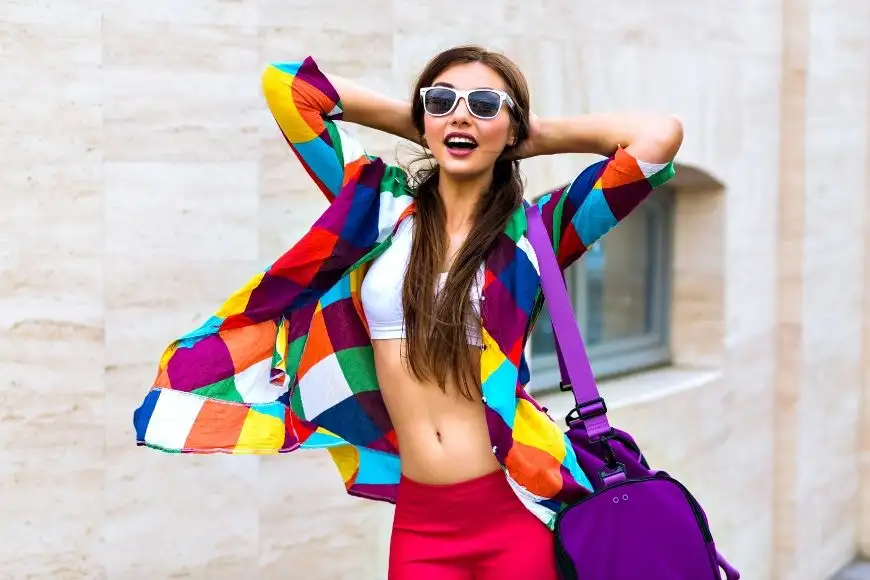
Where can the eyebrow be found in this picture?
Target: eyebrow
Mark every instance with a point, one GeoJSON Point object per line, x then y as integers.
{"type": "Point", "coordinates": [443, 84]}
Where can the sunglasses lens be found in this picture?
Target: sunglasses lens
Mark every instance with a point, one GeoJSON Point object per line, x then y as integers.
{"type": "Point", "coordinates": [439, 101]}
{"type": "Point", "coordinates": [484, 103]}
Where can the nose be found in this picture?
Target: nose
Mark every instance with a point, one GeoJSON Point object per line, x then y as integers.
{"type": "Point", "coordinates": [460, 113]}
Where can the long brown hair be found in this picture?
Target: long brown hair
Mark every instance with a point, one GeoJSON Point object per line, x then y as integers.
{"type": "Point", "coordinates": [436, 327]}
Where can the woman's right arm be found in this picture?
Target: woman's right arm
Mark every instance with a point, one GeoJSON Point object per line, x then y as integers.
{"type": "Point", "coordinates": [306, 103]}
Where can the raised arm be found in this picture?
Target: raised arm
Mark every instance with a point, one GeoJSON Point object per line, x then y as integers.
{"type": "Point", "coordinates": [306, 103]}
{"type": "Point", "coordinates": [639, 152]}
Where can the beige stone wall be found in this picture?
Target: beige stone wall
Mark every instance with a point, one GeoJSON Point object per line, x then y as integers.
{"type": "Point", "coordinates": [143, 180]}
{"type": "Point", "coordinates": [822, 207]}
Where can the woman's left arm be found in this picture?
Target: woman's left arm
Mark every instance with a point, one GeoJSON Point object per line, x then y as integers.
{"type": "Point", "coordinates": [639, 152]}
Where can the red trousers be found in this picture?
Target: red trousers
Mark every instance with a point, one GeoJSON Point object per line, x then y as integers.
{"type": "Point", "coordinates": [474, 530]}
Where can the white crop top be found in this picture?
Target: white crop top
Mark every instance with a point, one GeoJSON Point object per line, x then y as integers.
{"type": "Point", "coordinates": [381, 292]}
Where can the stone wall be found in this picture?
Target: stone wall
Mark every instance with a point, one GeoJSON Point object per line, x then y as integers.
{"type": "Point", "coordinates": [143, 181]}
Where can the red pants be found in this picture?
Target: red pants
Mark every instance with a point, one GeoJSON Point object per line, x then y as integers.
{"type": "Point", "coordinates": [474, 530]}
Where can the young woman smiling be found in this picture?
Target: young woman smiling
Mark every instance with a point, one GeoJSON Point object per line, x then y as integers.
{"type": "Point", "coordinates": [393, 333]}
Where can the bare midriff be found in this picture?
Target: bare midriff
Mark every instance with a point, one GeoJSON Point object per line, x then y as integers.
{"type": "Point", "coordinates": [443, 438]}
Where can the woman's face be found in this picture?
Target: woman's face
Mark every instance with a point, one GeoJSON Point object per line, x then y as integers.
{"type": "Point", "coordinates": [489, 136]}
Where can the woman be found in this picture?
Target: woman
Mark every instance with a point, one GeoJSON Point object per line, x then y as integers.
{"type": "Point", "coordinates": [398, 321]}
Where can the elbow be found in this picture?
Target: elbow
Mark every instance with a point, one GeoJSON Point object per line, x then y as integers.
{"type": "Point", "coordinates": [659, 140]}
{"type": "Point", "coordinates": [277, 86]}
{"type": "Point", "coordinates": [669, 135]}
{"type": "Point", "coordinates": [270, 82]}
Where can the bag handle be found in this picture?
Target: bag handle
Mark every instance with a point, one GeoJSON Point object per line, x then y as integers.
{"type": "Point", "coordinates": [574, 366]}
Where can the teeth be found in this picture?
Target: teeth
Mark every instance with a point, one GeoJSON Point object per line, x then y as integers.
{"type": "Point", "coordinates": [460, 140]}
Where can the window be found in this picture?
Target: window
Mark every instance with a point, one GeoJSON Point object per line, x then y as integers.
{"type": "Point", "coordinates": [621, 296]}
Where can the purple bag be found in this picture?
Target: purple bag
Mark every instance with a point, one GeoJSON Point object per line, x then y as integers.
{"type": "Point", "coordinates": [638, 522]}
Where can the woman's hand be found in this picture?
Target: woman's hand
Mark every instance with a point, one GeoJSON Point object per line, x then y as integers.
{"type": "Point", "coordinates": [530, 147]}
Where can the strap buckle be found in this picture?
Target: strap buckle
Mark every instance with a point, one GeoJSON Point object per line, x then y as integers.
{"type": "Point", "coordinates": [614, 475]}
{"type": "Point", "coordinates": [586, 411]}
{"type": "Point", "coordinates": [565, 387]}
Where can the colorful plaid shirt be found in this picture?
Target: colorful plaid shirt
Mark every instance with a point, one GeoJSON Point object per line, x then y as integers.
{"type": "Point", "coordinates": [286, 362]}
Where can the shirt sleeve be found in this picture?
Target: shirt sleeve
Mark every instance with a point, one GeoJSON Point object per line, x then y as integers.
{"type": "Point", "coordinates": [579, 214]}
{"type": "Point", "coordinates": [306, 105]}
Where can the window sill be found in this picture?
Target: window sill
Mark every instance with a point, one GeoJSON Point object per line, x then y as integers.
{"type": "Point", "coordinates": [636, 388]}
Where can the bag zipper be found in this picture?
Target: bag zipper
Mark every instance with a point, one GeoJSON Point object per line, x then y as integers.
{"type": "Point", "coordinates": [633, 446]}
{"type": "Point", "coordinates": [563, 561]}
{"type": "Point", "coordinates": [696, 507]}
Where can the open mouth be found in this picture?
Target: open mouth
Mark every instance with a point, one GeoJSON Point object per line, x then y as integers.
{"type": "Point", "coordinates": [460, 143]}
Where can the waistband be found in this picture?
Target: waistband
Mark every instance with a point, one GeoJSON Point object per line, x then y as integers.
{"type": "Point", "coordinates": [455, 505]}
{"type": "Point", "coordinates": [452, 490]}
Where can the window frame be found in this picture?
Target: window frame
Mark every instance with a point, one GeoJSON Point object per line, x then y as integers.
{"type": "Point", "coordinates": [630, 354]}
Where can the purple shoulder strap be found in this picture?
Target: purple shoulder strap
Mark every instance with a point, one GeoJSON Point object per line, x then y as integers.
{"type": "Point", "coordinates": [573, 362]}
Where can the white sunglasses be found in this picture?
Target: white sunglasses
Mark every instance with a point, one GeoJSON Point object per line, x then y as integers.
{"type": "Point", "coordinates": [482, 103]}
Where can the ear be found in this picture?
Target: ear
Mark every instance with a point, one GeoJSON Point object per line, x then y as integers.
{"type": "Point", "coordinates": [512, 135]}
